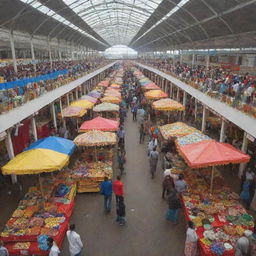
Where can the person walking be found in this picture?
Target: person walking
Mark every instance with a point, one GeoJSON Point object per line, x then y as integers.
{"type": "Point", "coordinates": [118, 188]}
{"type": "Point", "coordinates": [153, 160]}
{"type": "Point", "coordinates": [106, 191]}
{"type": "Point", "coordinates": [54, 249]}
{"type": "Point", "coordinates": [191, 240]}
{"type": "Point", "coordinates": [74, 241]}
{"type": "Point", "coordinates": [142, 133]}
{"type": "Point", "coordinates": [3, 250]}
{"type": "Point", "coordinates": [168, 186]}
{"type": "Point", "coordinates": [134, 112]}
{"type": "Point", "coordinates": [121, 136]}
{"type": "Point", "coordinates": [174, 207]}
{"type": "Point", "coordinates": [120, 211]}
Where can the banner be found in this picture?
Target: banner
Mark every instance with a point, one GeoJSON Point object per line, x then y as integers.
{"type": "Point", "coordinates": [24, 82]}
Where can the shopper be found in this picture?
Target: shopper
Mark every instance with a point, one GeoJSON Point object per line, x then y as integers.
{"type": "Point", "coordinates": [118, 188]}
{"type": "Point", "coordinates": [121, 136]}
{"type": "Point", "coordinates": [106, 191]}
{"type": "Point", "coordinates": [54, 249]}
{"type": "Point", "coordinates": [142, 133]}
{"type": "Point", "coordinates": [252, 242]}
{"type": "Point", "coordinates": [120, 211]}
{"type": "Point", "coordinates": [191, 240]}
{"type": "Point", "coordinates": [3, 250]}
{"type": "Point", "coordinates": [152, 143]}
{"type": "Point", "coordinates": [180, 184]}
{"type": "Point", "coordinates": [174, 207]}
{"type": "Point", "coordinates": [168, 186]}
{"type": "Point", "coordinates": [242, 246]}
{"type": "Point", "coordinates": [153, 160]}
{"type": "Point", "coordinates": [74, 241]}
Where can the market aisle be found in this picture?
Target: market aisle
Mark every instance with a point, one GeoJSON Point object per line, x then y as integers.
{"type": "Point", "coordinates": [146, 232]}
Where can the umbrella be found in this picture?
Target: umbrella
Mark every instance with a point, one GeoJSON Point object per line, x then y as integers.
{"type": "Point", "coordinates": [111, 99]}
{"type": "Point", "coordinates": [36, 161]}
{"type": "Point", "coordinates": [73, 111]}
{"type": "Point", "coordinates": [83, 104]}
{"type": "Point", "coordinates": [104, 83]}
{"type": "Point", "coordinates": [99, 123]}
{"type": "Point", "coordinates": [94, 94]}
{"type": "Point", "coordinates": [106, 106]}
{"type": "Point", "coordinates": [117, 86]}
{"type": "Point", "coordinates": [151, 86]}
{"type": "Point", "coordinates": [211, 153]}
{"type": "Point", "coordinates": [155, 94]}
{"type": "Point", "coordinates": [168, 105]}
{"type": "Point", "coordinates": [95, 138]}
{"type": "Point", "coordinates": [89, 98]}
{"type": "Point", "coordinates": [112, 94]}
{"type": "Point", "coordinates": [55, 143]}
{"type": "Point", "coordinates": [177, 129]}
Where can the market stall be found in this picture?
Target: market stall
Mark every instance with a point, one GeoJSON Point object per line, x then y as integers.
{"type": "Point", "coordinates": [107, 109]}
{"type": "Point", "coordinates": [46, 208]}
{"type": "Point", "coordinates": [155, 95]}
{"type": "Point", "coordinates": [111, 99]}
{"type": "Point", "coordinates": [96, 161]}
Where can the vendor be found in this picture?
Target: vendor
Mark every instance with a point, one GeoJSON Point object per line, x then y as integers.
{"type": "Point", "coordinates": [180, 184]}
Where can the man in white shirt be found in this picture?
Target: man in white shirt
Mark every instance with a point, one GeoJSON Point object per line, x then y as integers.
{"type": "Point", "coordinates": [54, 249]}
{"type": "Point", "coordinates": [74, 241]}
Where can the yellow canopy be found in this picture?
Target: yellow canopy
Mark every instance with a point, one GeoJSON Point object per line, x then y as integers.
{"type": "Point", "coordinates": [155, 94]}
{"type": "Point", "coordinates": [168, 105]}
{"type": "Point", "coordinates": [111, 99]}
{"type": "Point", "coordinates": [83, 104]}
{"type": "Point", "coordinates": [35, 161]}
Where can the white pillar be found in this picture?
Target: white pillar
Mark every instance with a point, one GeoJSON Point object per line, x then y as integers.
{"type": "Point", "coordinates": [180, 57]}
{"type": "Point", "coordinates": [9, 147]}
{"type": "Point", "coordinates": [50, 53]}
{"type": "Point", "coordinates": [54, 116]}
{"type": "Point", "coordinates": [13, 52]}
{"type": "Point", "coordinates": [166, 85]}
{"type": "Point", "coordinates": [33, 54]}
{"type": "Point", "coordinates": [195, 109]}
{"type": "Point", "coordinates": [67, 95]}
{"type": "Point", "coordinates": [178, 94]}
{"type": "Point", "coordinates": [171, 90]}
{"type": "Point", "coordinates": [207, 62]}
{"type": "Point", "coordinates": [243, 149]}
{"type": "Point", "coordinates": [60, 102]}
{"type": "Point", "coordinates": [184, 104]}
{"type": "Point", "coordinates": [193, 60]}
{"type": "Point", "coordinates": [34, 128]}
{"type": "Point", "coordinates": [76, 93]}
{"type": "Point", "coordinates": [204, 119]}
{"type": "Point", "coordinates": [60, 57]}
{"type": "Point", "coordinates": [222, 130]}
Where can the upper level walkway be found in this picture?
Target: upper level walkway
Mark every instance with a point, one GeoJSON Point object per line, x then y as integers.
{"type": "Point", "coordinates": [243, 121]}
{"type": "Point", "coordinates": [18, 114]}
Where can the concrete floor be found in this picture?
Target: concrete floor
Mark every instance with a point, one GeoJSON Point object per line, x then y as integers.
{"type": "Point", "coordinates": [146, 232]}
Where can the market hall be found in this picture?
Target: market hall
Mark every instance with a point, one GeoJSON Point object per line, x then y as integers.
{"type": "Point", "coordinates": [127, 127]}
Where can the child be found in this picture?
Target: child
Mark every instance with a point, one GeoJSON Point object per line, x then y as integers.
{"type": "Point", "coordinates": [120, 211]}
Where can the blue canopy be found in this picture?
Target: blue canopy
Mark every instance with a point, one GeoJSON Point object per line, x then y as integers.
{"type": "Point", "coordinates": [58, 144]}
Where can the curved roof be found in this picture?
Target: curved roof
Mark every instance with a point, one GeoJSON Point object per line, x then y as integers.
{"type": "Point", "coordinates": [141, 24]}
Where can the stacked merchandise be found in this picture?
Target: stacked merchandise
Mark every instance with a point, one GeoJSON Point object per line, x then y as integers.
{"type": "Point", "coordinates": [38, 217]}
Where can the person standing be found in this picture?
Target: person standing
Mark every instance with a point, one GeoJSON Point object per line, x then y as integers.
{"type": "Point", "coordinates": [121, 136]}
{"type": "Point", "coordinates": [142, 133]}
{"type": "Point", "coordinates": [120, 211]}
{"type": "Point", "coordinates": [54, 249]}
{"type": "Point", "coordinates": [118, 188]}
{"type": "Point", "coordinates": [191, 240]}
{"type": "Point", "coordinates": [74, 241]}
{"type": "Point", "coordinates": [153, 160]}
{"type": "Point", "coordinates": [174, 207]}
{"type": "Point", "coordinates": [242, 246]}
{"type": "Point", "coordinates": [168, 186]}
{"type": "Point", "coordinates": [3, 250]}
{"type": "Point", "coordinates": [180, 184]}
{"type": "Point", "coordinates": [134, 112]}
{"type": "Point", "coordinates": [106, 191]}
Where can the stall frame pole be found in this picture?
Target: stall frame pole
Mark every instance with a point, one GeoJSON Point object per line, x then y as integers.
{"type": "Point", "coordinates": [204, 119]}
{"type": "Point", "coordinates": [243, 149]}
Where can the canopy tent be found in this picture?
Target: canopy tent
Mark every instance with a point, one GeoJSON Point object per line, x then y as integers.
{"type": "Point", "coordinates": [95, 94]}
{"type": "Point", "coordinates": [57, 144]}
{"type": "Point", "coordinates": [167, 105]}
{"type": "Point", "coordinates": [83, 104]}
{"type": "Point", "coordinates": [211, 153]}
{"type": "Point", "coordinates": [151, 86]}
{"type": "Point", "coordinates": [99, 123]}
{"type": "Point", "coordinates": [104, 83]}
{"type": "Point", "coordinates": [177, 129]}
{"type": "Point", "coordinates": [95, 138]}
{"type": "Point", "coordinates": [155, 94]}
{"type": "Point", "coordinates": [115, 86]}
{"type": "Point", "coordinates": [106, 106]}
{"type": "Point", "coordinates": [73, 111]}
{"type": "Point", "coordinates": [89, 98]}
{"type": "Point", "coordinates": [36, 161]}
{"type": "Point", "coordinates": [111, 99]}
{"type": "Point", "coordinates": [112, 94]}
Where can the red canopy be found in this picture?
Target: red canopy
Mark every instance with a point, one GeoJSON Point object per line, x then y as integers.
{"type": "Point", "coordinates": [99, 123]}
{"type": "Point", "coordinates": [211, 153]}
{"type": "Point", "coordinates": [151, 86]}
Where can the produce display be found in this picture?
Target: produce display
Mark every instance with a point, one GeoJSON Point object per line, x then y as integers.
{"type": "Point", "coordinates": [39, 213]}
{"type": "Point", "coordinates": [177, 129]}
{"type": "Point", "coordinates": [167, 105]}
{"type": "Point", "coordinates": [191, 138]}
